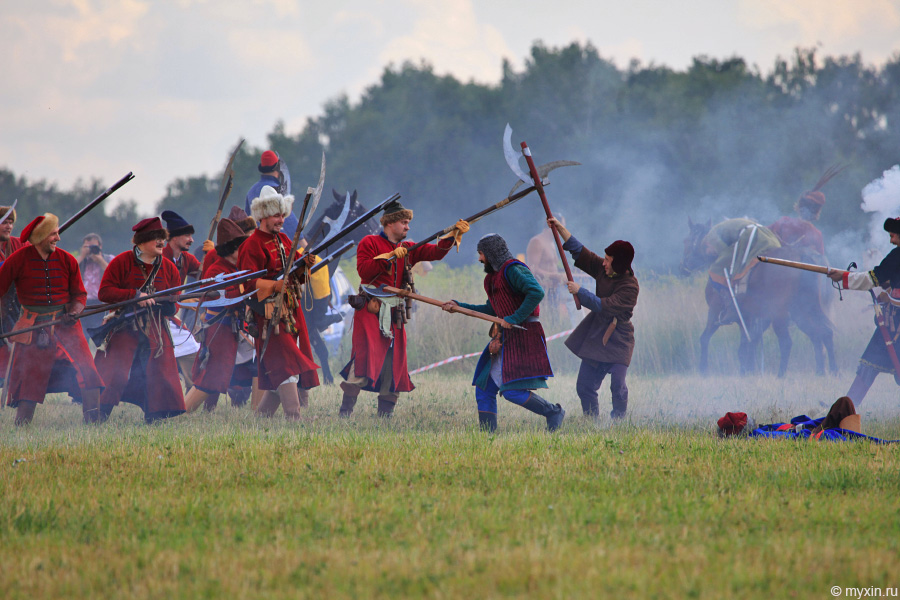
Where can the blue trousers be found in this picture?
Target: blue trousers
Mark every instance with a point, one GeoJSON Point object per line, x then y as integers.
{"type": "Point", "coordinates": [487, 398]}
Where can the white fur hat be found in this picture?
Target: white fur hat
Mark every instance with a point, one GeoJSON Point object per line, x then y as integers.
{"type": "Point", "coordinates": [270, 203]}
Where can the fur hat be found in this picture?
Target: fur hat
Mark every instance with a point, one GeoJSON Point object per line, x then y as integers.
{"type": "Point", "coordinates": [892, 225]}
{"type": "Point", "coordinates": [622, 254]}
{"type": "Point", "coordinates": [12, 215]}
{"type": "Point", "coordinates": [495, 250]}
{"type": "Point", "coordinates": [394, 212]}
{"type": "Point", "coordinates": [229, 237]}
{"type": "Point", "coordinates": [237, 214]}
{"type": "Point", "coordinates": [268, 162]}
{"type": "Point", "coordinates": [148, 229]}
{"type": "Point", "coordinates": [270, 203]}
{"type": "Point", "coordinates": [175, 224]}
{"type": "Point", "coordinates": [39, 228]}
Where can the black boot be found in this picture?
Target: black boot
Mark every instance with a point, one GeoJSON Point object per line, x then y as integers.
{"type": "Point", "coordinates": [487, 421]}
{"type": "Point", "coordinates": [554, 413]}
{"type": "Point", "coordinates": [105, 411]}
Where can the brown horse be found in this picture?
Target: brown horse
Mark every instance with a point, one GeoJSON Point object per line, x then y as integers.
{"type": "Point", "coordinates": [775, 295]}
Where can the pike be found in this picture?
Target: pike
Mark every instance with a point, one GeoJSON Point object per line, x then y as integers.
{"type": "Point", "coordinates": [543, 171]}
{"type": "Point", "coordinates": [109, 192]}
{"type": "Point", "coordinates": [315, 194]}
{"type": "Point", "coordinates": [456, 309]}
{"type": "Point", "coordinates": [211, 284]}
{"type": "Point", "coordinates": [225, 188]}
{"type": "Point", "coordinates": [512, 159]}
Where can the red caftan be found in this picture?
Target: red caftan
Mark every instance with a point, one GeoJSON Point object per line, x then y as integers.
{"type": "Point", "coordinates": [287, 354]}
{"type": "Point", "coordinates": [151, 381]}
{"type": "Point", "coordinates": [44, 288]}
{"type": "Point", "coordinates": [370, 347]}
{"type": "Point", "coordinates": [215, 362]}
{"type": "Point", "coordinates": [187, 263]}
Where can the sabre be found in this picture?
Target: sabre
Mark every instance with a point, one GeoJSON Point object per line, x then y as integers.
{"type": "Point", "coordinates": [225, 187]}
{"type": "Point", "coordinates": [512, 160]}
{"type": "Point", "coordinates": [9, 211]}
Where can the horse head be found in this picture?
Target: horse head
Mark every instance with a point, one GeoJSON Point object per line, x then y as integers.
{"type": "Point", "coordinates": [695, 255]}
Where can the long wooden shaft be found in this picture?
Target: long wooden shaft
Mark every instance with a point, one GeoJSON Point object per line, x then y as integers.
{"type": "Point", "coordinates": [109, 192]}
{"type": "Point", "coordinates": [539, 186]}
{"type": "Point", "coordinates": [794, 264]}
{"type": "Point", "coordinates": [6, 385]}
{"type": "Point", "coordinates": [439, 303]}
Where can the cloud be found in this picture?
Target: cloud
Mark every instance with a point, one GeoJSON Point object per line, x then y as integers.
{"type": "Point", "coordinates": [834, 20]}
{"type": "Point", "coordinates": [448, 34]}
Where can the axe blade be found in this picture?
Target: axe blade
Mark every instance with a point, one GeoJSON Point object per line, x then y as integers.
{"type": "Point", "coordinates": [317, 194]}
{"type": "Point", "coordinates": [512, 157]}
{"type": "Point", "coordinates": [544, 170]}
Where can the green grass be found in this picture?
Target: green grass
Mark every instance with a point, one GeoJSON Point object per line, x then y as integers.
{"type": "Point", "coordinates": [229, 505]}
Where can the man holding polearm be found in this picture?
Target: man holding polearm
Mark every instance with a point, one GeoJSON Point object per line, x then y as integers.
{"type": "Point", "coordinates": [604, 340]}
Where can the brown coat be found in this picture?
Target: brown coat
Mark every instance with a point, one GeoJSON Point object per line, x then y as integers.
{"type": "Point", "coordinates": [619, 295]}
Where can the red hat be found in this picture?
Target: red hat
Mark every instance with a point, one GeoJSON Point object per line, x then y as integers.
{"type": "Point", "coordinates": [148, 229]}
{"type": "Point", "coordinates": [813, 198]}
{"type": "Point", "coordinates": [622, 254]}
{"type": "Point", "coordinates": [732, 424]}
{"type": "Point", "coordinates": [268, 161]}
{"type": "Point", "coordinates": [39, 228]}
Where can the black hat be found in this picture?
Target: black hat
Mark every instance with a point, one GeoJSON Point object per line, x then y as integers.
{"type": "Point", "coordinates": [175, 224]}
{"type": "Point", "coordinates": [892, 225]}
{"type": "Point", "coordinates": [394, 212]}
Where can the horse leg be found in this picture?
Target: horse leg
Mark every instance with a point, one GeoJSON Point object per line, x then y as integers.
{"type": "Point", "coordinates": [780, 327]}
{"type": "Point", "coordinates": [711, 327]}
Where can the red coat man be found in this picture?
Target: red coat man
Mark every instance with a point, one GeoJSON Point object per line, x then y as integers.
{"type": "Point", "coordinates": [288, 356]}
{"type": "Point", "coordinates": [136, 360]}
{"type": "Point", "coordinates": [49, 287]}
{"type": "Point", "coordinates": [378, 360]}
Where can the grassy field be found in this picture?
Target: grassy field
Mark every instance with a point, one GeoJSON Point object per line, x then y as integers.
{"type": "Point", "coordinates": [226, 505]}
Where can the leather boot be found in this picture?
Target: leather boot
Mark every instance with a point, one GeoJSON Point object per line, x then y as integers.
{"type": "Point", "coordinates": [90, 405]}
{"type": "Point", "coordinates": [386, 404]}
{"type": "Point", "coordinates": [25, 412]}
{"type": "Point", "coordinates": [348, 402]}
{"type": "Point", "coordinates": [487, 421]}
{"type": "Point", "coordinates": [105, 411]}
{"type": "Point", "coordinates": [193, 399]}
{"type": "Point", "coordinates": [554, 413]}
{"type": "Point", "coordinates": [303, 396]}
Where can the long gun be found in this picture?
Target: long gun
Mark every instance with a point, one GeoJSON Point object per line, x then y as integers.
{"type": "Point", "coordinates": [456, 309]}
{"type": "Point", "coordinates": [109, 192]}
{"type": "Point", "coordinates": [796, 265]}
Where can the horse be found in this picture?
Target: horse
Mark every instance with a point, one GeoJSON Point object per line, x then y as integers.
{"type": "Point", "coordinates": [775, 296]}
{"type": "Point", "coordinates": [321, 226]}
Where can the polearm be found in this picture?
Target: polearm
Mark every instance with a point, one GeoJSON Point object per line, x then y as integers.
{"type": "Point", "coordinates": [225, 188]}
{"type": "Point", "coordinates": [456, 309]}
{"type": "Point", "coordinates": [110, 191]}
{"type": "Point", "coordinates": [512, 160]}
{"type": "Point", "coordinates": [217, 283]}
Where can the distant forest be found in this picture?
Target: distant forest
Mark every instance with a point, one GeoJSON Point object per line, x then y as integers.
{"type": "Point", "coordinates": [719, 138]}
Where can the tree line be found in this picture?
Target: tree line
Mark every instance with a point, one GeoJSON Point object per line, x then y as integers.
{"type": "Point", "coordinates": [718, 138]}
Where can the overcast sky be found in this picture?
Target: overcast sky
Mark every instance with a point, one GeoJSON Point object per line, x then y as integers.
{"type": "Point", "coordinates": [94, 88]}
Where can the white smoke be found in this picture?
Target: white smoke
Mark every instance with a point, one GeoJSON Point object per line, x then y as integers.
{"type": "Point", "coordinates": [882, 198]}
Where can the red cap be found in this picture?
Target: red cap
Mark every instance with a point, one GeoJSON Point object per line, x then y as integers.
{"type": "Point", "coordinates": [268, 161]}
{"type": "Point", "coordinates": [29, 229]}
{"type": "Point", "coordinates": [732, 423]}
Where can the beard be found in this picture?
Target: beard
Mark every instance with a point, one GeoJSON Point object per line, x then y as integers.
{"type": "Point", "coordinates": [488, 268]}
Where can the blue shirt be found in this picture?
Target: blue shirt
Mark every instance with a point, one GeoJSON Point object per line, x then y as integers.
{"type": "Point", "coordinates": [588, 300]}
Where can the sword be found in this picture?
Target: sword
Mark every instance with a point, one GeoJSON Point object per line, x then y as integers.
{"type": "Point", "coordinates": [9, 212]}
{"type": "Point", "coordinates": [736, 307]}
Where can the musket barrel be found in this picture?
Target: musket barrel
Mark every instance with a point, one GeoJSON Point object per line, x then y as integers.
{"type": "Point", "coordinates": [794, 264]}
{"type": "Point", "coordinates": [109, 192]}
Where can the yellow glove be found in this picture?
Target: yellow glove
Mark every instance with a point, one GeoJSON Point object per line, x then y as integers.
{"type": "Point", "coordinates": [457, 232]}
{"type": "Point", "coordinates": [208, 246]}
{"type": "Point", "coordinates": [399, 253]}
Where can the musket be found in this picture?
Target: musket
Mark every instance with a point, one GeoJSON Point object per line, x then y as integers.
{"type": "Point", "coordinates": [218, 283]}
{"type": "Point", "coordinates": [225, 188]}
{"type": "Point", "coordinates": [513, 162]}
{"type": "Point", "coordinates": [313, 194]}
{"type": "Point", "coordinates": [796, 265]}
{"type": "Point", "coordinates": [456, 309]}
{"type": "Point", "coordinates": [71, 221]}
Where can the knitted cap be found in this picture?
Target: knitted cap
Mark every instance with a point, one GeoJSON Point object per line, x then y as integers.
{"type": "Point", "coordinates": [176, 224]}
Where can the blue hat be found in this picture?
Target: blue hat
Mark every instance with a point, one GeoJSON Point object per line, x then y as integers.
{"type": "Point", "coordinates": [176, 224]}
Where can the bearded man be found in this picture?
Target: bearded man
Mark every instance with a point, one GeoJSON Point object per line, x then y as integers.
{"type": "Point", "coordinates": [516, 363]}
